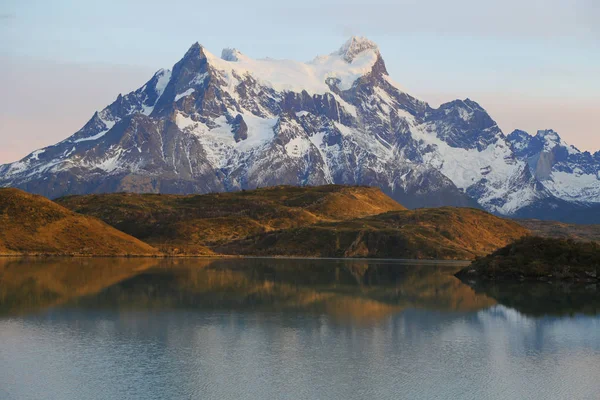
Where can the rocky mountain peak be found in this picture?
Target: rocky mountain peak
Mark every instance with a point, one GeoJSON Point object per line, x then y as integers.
{"type": "Point", "coordinates": [545, 140]}
{"type": "Point", "coordinates": [549, 136]}
{"type": "Point", "coordinates": [518, 134]}
{"type": "Point", "coordinates": [548, 133]}
{"type": "Point", "coordinates": [551, 139]}
{"type": "Point", "coordinates": [194, 54]}
{"type": "Point", "coordinates": [356, 45]}
{"type": "Point", "coordinates": [473, 105]}
{"type": "Point", "coordinates": [522, 143]}
{"type": "Point", "coordinates": [194, 47]}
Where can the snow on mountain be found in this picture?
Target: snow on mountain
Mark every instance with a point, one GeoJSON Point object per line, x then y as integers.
{"type": "Point", "coordinates": [355, 59]}
{"type": "Point", "coordinates": [567, 173]}
{"type": "Point", "coordinates": [232, 122]}
{"type": "Point", "coordinates": [356, 46]}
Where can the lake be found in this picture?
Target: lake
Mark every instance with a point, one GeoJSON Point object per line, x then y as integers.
{"type": "Point", "coordinates": [289, 329]}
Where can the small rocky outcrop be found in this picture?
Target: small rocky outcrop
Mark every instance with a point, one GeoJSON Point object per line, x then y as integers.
{"type": "Point", "coordinates": [538, 259]}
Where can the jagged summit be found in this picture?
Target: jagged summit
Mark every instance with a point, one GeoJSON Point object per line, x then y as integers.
{"type": "Point", "coordinates": [550, 134]}
{"type": "Point", "coordinates": [356, 45]}
{"type": "Point", "coordinates": [551, 139]}
{"type": "Point", "coordinates": [544, 135]}
{"type": "Point", "coordinates": [544, 140]}
{"type": "Point", "coordinates": [518, 133]}
{"type": "Point", "coordinates": [195, 49]}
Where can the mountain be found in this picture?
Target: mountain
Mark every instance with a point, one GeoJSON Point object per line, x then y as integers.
{"type": "Point", "coordinates": [214, 124]}
{"type": "Point", "coordinates": [32, 224]}
{"type": "Point", "coordinates": [568, 173]}
{"type": "Point", "coordinates": [571, 176]}
{"type": "Point", "coordinates": [324, 221]}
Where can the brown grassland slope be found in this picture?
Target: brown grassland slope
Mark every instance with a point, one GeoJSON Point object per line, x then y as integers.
{"type": "Point", "coordinates": [31, 224]}
{"type": "Point", "coordinates": [560, 230]}
{"type": "Point", "coordinates": [436, 233]}
{"type": "Point", "coordinates": [322, 221]}
{"type": "Point", "coordinates": [195, 224]}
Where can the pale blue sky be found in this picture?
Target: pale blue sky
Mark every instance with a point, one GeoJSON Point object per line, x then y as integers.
{"type": "Point", "coordinates": [533, 64]}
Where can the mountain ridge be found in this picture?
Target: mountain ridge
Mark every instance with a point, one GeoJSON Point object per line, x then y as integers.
{"type": "Point", "coordinates": [230, 123]}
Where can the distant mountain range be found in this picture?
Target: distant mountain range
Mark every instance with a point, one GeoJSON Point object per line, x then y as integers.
{"type": "Point", "coordinates": [231, 122]}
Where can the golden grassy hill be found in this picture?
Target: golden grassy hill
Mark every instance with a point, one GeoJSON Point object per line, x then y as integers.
{"type": "Point", "coordinates": [32, 224]}
{"type": "Point", "coordinates": [322, 221]}
{"type": "Point", "coordinates": [435, 233]}
{"type": "Point", "coordinates": [194, 224]}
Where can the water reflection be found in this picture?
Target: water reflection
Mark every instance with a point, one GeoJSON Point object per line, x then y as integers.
{"type": "Point", "coordinates": [30, 284]}
{"type": "Point", "coordinates": [364, 290]}
{"type": "Point", "coordinates": [261, 329]}
{"type": "Point", "coordinates": [544, 298]}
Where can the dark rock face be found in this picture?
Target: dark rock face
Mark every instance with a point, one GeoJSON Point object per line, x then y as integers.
{"type": "Point", "coordinates": [223, 124]}
{"type": "Point", "coordinates": [464, 124]}
{"type": "Point", "coordinates": [240, 129]}
{"type": "Point", "coordinates": [524, 145]}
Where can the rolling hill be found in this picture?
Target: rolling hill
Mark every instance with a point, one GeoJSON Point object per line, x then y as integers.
{"type": "Point", "coordinates": [323, 221]}
{"type": "Point", "coordinates": [434, 233]}
{"type": "Point", "coordinates": [34, 225]}
{"type": "Point", "coordinates": [193, 224]}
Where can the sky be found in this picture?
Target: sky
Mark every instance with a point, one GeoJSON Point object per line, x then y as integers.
{"type": "Point", "coordinates": [532, 64]}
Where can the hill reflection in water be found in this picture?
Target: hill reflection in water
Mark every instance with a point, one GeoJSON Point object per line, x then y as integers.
{"type": "Point", "coordinates": [356, 290]}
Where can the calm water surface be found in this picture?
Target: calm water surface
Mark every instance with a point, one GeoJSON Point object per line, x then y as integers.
{"type": "Point", "coordinates": [289, 329]}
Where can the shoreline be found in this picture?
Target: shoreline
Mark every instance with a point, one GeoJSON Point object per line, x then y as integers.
{"type": "Point", "coordinates": [225, 256]}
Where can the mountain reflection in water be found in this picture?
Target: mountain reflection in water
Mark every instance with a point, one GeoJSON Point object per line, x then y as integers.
{"type": "Point", "coordinates": [357, 290]}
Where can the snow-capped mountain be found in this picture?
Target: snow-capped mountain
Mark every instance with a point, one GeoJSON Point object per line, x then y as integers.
{"type": "Point", "coordinates": [568, 173]}
{"type": "Point", "coordinates": [232, 122]}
